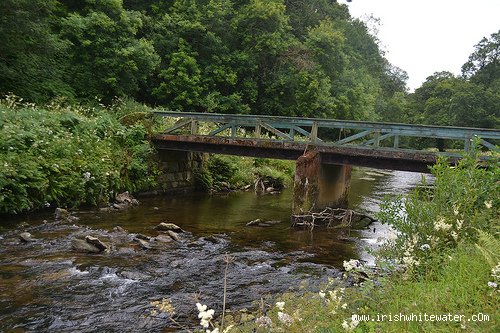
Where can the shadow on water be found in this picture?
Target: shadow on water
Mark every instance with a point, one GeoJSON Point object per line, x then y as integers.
{"type": "Point", "coordinates": [45, 286]}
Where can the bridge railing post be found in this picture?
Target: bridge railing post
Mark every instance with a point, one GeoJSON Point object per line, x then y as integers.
{"type": "Point", "coordinates": [233, 131]}
{"type": "Point", "coordinates": [314, 132]}
{"type": "Point", "coordinates": [194, 126]}
{"type": "Point", "coordinates": [396, 141]}
{"type": "Point", "coordinates": [376, 138]}
{"type": "Point", "coordinates": [257, 130]}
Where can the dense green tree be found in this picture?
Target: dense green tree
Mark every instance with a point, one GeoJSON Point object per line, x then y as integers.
{"type": "Point", "coordinates": [32, 57]}
{"type": "Point", "coordinates": [483, 65]}
{"type": "Point", "coordinates": [107, 58]}
{"type": "Point", "coordinates": [444, 99]}
{"type": "Point", "coordinates": [280, 57]}
{"type": "Point", "coordinates": [181, 88]}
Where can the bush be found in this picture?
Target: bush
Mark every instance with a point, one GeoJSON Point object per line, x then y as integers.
{"type": "Point", "coordinates": [429, 224]}
{"type": "Point", "coordinates": [68, 156]}
{"type": "Point", "coordinates": [220, 169]}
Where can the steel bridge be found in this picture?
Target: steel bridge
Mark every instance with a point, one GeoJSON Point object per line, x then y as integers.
{"type": "Point", "coordinates": [341, 142]}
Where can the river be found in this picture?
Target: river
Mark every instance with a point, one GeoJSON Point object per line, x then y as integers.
{"type": "Point", "coordinates": [45, 286]}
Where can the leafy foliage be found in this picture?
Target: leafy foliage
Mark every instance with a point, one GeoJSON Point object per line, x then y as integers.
{"type": "Point", "coordinates": [294, 58]}
{"type": "Point", "coordinates": [68, 156]}
{"type": "Point", "coordinates": [430, 222]}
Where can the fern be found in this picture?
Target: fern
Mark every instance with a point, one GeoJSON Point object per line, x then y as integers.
{"type": "Point", "coordinates": [489, 246]}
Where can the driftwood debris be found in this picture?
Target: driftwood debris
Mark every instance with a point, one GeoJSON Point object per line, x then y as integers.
{"type": "Point", "coordinates": [332, 218]}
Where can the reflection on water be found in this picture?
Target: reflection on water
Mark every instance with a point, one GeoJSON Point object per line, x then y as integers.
{"type": "Point", "coordinates": [46, 286]}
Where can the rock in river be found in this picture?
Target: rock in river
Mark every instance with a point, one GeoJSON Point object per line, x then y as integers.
{"type": "Point", "coordinates": [25, 237]}
{"type": "Point", "coordinates": [90, 245]}
{"type": "Point", "coordinates": [168, 227]}
{"type": "Point", "coordinates": [97, 243]}
{"type": "Point", "coordinates": [174, 236]}
{"type": "Point", "coordinates": [81, 245]}
{"type": "Point", "coordinates": [163, 238]}
{"type": "Point", "coordinates": [144, 244]}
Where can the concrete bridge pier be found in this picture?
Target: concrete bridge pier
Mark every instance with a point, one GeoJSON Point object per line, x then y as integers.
{"type": "Point", "coordinates": [318, 185]}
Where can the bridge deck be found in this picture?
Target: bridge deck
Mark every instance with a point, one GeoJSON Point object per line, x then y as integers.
{"type": "Point", "coordinates": [376, 145]}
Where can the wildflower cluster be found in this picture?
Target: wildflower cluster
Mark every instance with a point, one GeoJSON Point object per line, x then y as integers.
{"type": "Point", "coordinates": [164, 306]}
{"type": "Point", "coordinates": [350, 326]}
{"type": "Point", "coordinates": [430, 222]}
{"type": "Point", "coordinates": [205, 315]}
{"type": "Point", "coordinates": [68, 156]}
{"type": "Point", "coordinates": [351, 264]}
{"type": "Point", "coordinates": [334, 299]}
{"type": "Point", "coordinates": [495, 274]}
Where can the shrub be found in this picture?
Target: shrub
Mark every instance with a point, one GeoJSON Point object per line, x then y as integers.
{"type": "Point", "coordinates": [429, 224]}
{"type": "Point", "coordinates": [68, 156]}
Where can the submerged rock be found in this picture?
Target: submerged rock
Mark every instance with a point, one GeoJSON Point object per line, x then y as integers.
{"type": "Point", "coordinates": [260, 223]}
{"type": "Point", "coordinates": [362, 223]}
{"type": "Point", "coordinates": [168, 227]}
{"type": "Point", "coordinates": [25, 237]}
{"type": "Point", "coordinates": [144, 244]}
{"type": "Point", "coordinates": [174, 235]}
{"type": "Point", "coordinates": [81, 245]}
{"type": "Point", "coordinates": [164, 238]}
{"type": "Point", "coordinates": [97, 243]}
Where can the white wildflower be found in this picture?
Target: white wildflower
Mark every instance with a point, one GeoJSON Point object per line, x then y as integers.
{"type": "Point", "coordinates": [205, 315]}
{"type": "Point", "coordinates": [280, 305]}
{"type": "Point", "coordinates": [410, 261]}
{"type": "Point", "coordinates": [86, 176]}
{"type": "Point", "coordinates": [495, 272]}
{"type": "Point", "coordinates": [351, 264]}
{"type": "Point", "coordinates": [264, 321]}
{"type": "Point", "coordinates": [424, 247]}
{"type": "Point", "coordinates": [455, 210]}
{"type": "Point", "coordinates": [344, 306]}
{"type": "Point", "coordinates": [322, 294]}
{"type": "Point", "coordinates": [488, 204]}
{"type": "Point", "coordinates": [492, 284]}
{"type": "Point", "coordinates": [285, 318]}
{"type": "Point", "coordinates": [459, 224]}
{"type": "Point", "coordinates": [442, 225]}
{"type": "Point", "coordinates": [355, 321]}
{"type": "Point", "coordinates": [454, 235]}
{"type": "Point", "coordinates": [349, 327]}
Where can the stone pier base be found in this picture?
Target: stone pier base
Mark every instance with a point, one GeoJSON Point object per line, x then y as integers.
{"type": "Point", "coordinates": [178, 168]}
{"type": "Point", "coordinates": [318, 185]}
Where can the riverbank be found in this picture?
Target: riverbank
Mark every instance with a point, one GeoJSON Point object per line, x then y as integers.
{"type": "Point", "coordinates": [62, 155]}
{"type": "Point", "coordinates": [66, 155]}
{"type": "Point", "coordinates": [441, 274]}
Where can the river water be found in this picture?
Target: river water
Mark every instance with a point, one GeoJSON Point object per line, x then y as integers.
{"type": "Point", "coordinates": [45, 286]}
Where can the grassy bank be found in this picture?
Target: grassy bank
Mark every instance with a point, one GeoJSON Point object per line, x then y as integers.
{"type": "Point", "coordinates": [66, 155]}
{"type": "Point", "coordinates": [459, 288]}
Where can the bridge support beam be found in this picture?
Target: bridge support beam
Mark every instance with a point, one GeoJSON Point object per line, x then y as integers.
{"type": "Point", "coordinates": [318, 185]}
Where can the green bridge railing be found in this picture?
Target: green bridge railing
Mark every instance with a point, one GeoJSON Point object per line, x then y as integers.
{"type": "Point", "coordinates": [327, 132]}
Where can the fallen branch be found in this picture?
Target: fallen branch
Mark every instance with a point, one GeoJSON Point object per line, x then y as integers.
{"type": "Point", "coordinates": [332, 218]}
